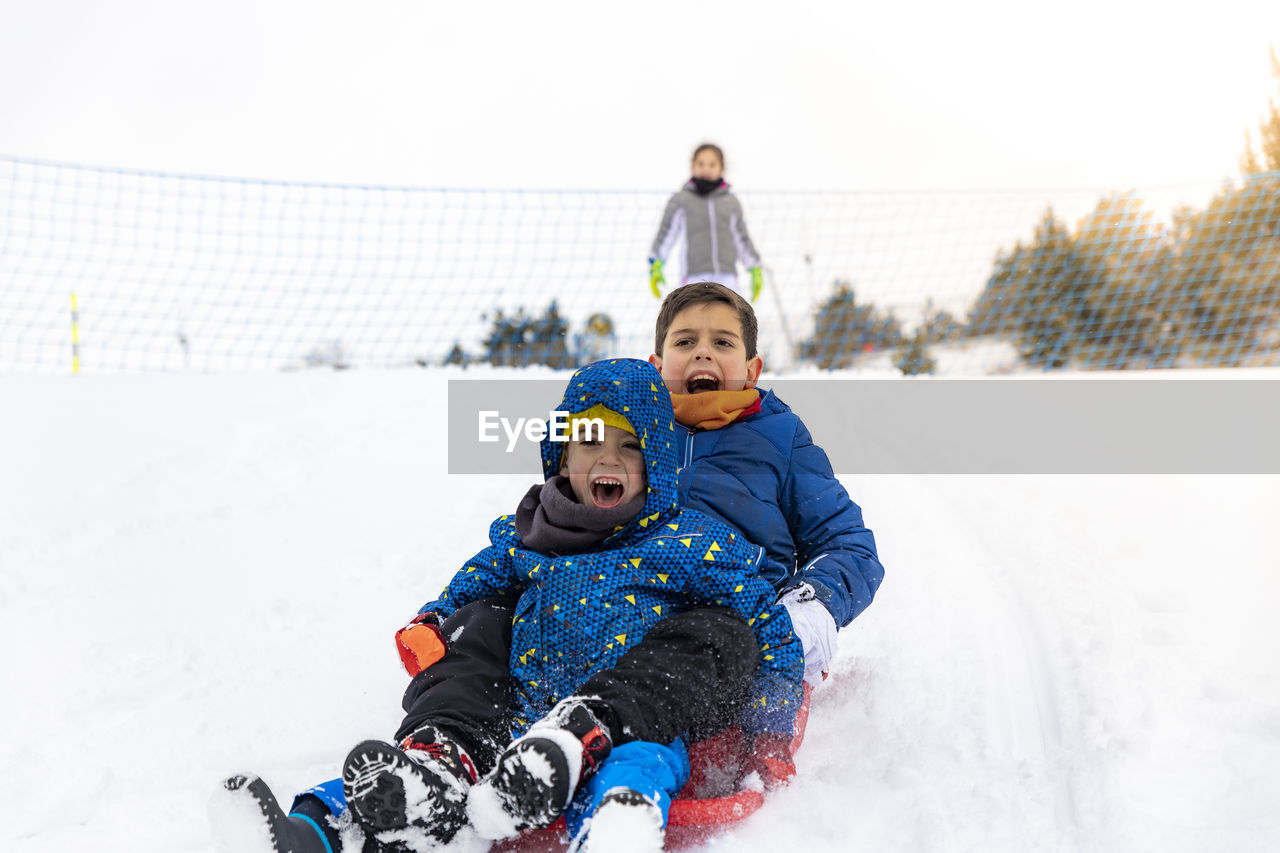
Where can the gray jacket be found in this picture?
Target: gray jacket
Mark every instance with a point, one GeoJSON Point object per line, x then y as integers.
{"type": "Point", "coordinates": [716, 233]}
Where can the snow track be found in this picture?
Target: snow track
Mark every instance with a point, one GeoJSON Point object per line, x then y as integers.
{"type": "Point", "coordinates": [202, 576]}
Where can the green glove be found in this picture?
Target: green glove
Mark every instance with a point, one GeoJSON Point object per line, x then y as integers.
{"type": "Point", "coordinates": [757, 282]}
{"type": "Point", "coordinates": [655, 277]}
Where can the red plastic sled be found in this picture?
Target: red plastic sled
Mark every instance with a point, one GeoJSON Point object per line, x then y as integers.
{"type": "Point", "coordinates": [706, 806]}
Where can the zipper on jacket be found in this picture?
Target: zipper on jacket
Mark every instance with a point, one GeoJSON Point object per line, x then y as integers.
{"type": "Point", "coordinates": [715, 252]}
{"type": "Point", "coordinates": [688, 449]}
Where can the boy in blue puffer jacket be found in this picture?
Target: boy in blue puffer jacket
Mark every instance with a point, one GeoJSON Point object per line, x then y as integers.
{"type": "Point", "coordinates": [634, 621]}
{"type": "Point", "coordinates": [747, 459]}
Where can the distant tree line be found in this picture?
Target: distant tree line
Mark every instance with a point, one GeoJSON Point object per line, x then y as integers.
{"type": "Point", "coordinates": [1119, 291]}
{"type": "Point", "coordinates": [522, 340]}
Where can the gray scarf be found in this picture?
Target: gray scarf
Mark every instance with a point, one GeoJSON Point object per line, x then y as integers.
{"type": "Point", "coordinates": [551, 521]}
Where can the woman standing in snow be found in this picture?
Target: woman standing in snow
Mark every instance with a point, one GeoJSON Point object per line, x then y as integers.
{"type": "Point", "coordinates": [710, 217]}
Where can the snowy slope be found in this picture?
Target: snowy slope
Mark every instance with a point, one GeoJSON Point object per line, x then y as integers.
{"type": "Point", "coordinates": [202, 574]}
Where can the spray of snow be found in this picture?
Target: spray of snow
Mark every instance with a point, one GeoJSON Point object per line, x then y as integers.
{"type": "Point", "coordinates": [619, 827]}
{"type": "Point", "coordinates": [238, 822]}
{"type": "Point", "coordinates": [487, 814]}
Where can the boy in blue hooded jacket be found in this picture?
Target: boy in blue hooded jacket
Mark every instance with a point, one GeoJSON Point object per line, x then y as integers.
{"type": "Point", "coordinates": [747, 459]}
{"type": "Point", "coordinates": [634, 621]}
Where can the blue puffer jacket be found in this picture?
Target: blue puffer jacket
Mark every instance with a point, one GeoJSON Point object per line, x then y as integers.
{"type": "Point", "coordinates": [766, 477]}
{"type": "Point", "coordinates": [578, 614]}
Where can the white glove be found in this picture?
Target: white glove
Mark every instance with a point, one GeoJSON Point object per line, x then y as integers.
{"type": "Point", "coordinates": [816, 628]}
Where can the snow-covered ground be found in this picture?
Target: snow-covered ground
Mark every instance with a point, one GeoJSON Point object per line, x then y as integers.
{"type": "Point", "coordinates": [202, 575]}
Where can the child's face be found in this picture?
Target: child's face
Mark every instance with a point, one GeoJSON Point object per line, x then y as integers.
{"type": "Point", "coordinates": [704, 351]}
{"type": "Point", "coordinates": [708, 166]}
{"type": "Point", "coordinates": [606, 473]}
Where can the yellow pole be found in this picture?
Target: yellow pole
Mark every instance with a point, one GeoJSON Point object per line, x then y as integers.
{"type": "Point", "coordinates": [75, 335]}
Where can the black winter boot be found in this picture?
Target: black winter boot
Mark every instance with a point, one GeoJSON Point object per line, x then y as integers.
{"type": "Point", "coordinates": [247, 818]}
{"type": "Point", "coordinates": [417, 789]}
{"type": "Point", "coordinates": [536, 775]}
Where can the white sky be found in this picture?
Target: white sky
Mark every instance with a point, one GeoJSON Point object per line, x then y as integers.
{"type": "Point", "coordinates": [928, 95]}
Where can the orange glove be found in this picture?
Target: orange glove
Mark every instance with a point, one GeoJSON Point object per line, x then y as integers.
{"type": "Point", "coordinates": [769, 756]}
{"type": "Point", "coordinates": [420, 643]}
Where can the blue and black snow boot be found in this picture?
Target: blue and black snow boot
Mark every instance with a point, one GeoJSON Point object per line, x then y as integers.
{"type": "Point", "coordinates": [411, 793]}
{"type": "Point", "coordinates": [247, 818]}
{"type": "Point", "coordinates": [536, 775]}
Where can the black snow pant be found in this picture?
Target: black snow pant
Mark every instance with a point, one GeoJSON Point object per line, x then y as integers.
{"type": "Point", "coordinates": [690, 674]}
{"type": "Point", "coordinates": [468, 692]}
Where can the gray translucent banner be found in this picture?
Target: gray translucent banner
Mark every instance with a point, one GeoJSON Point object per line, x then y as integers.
{"type": "Point", "coordinates": [950, 426]}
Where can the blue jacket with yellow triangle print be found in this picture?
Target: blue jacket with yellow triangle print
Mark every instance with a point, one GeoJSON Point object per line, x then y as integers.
{"type": "Point", "coordinates": [578, 614]}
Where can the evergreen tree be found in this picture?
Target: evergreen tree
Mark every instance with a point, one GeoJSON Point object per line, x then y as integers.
{"type": "Point", "coordinates": [456, 356]}
{"type": "Point", "coordinates": [843, 329]}
{"type": "Point", "coordinates": [913, 356]}
{"type": "Point", "coordinates": [1004, 301]}
{"type": "Point", "coordinates": [520, 340]}
{"type": "Point", "coordinates": [504, 335]}
{"type": "Point", "coordinates": [548, 337]}
{"type": "Point", "coordinates": [1039, 295]}
{"type": "Point", "coordinates": [939, 326]}
{"type": "Point", "coordinates": [1126, 260]}
{"type": "Point", "coordinates": [1267, 157]}
{"type": "Point", "coordinates": [1222, 297]}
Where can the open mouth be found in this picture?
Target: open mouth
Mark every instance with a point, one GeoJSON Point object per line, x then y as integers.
{"type": "Point", "coordinates": [699, 382]}
{"type": "Point", "coordinates": [606, 492]}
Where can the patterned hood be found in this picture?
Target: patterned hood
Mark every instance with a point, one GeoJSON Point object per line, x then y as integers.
{"type": "Point", "coordinates": [633, 390]}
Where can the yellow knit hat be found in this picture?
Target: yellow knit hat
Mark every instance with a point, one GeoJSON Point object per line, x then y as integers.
{"type": "Point", "coordinates": [605, 414]}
